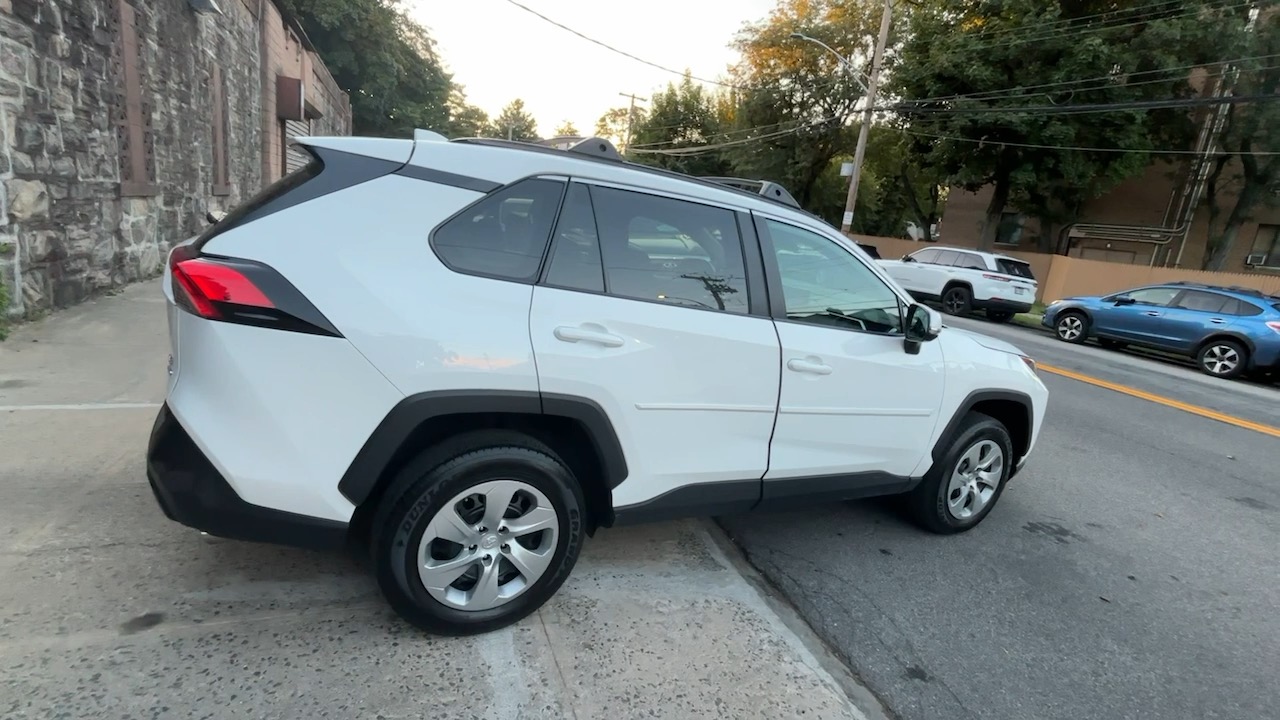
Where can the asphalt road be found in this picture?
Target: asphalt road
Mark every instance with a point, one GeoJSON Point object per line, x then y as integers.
{"type": "Point", "coordinates": [1130, 572]}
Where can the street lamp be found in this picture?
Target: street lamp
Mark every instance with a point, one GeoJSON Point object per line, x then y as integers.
{"type": "Point", "coordinates": [846, 223]}
{"type": "Point", "coordinates": [847, 62]}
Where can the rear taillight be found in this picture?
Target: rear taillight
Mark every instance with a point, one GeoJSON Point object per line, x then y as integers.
{"type": "Point", "coordinates": [1274, 325]}
{"type": "Point", "coordinates": [241, 291]}
{"type": "Point", "coordinates": [1001, 278]}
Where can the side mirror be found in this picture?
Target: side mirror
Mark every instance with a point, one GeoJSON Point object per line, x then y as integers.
{"type": "Point", "coordinates": [908, 258]}
{"type": "Point", "coordinates": [214, 216]}
{"type": "Point", "coordinates": [1125, 301]}
{"type": "Point", "coordinates": [923, 324]}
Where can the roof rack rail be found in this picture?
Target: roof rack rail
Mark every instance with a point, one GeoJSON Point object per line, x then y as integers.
{"type": "Point", "coordinates": [595, 147]}
{"type": "Point", "coordinates": [771, 190]}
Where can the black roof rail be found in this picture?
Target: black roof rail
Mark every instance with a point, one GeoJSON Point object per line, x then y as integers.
{"type": "Point", "coordinates": [602, 150]}
{"type": "Point", "coordinates": [764, 188]}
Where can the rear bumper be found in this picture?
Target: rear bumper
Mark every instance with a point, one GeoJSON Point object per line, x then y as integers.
{"type": "Point", "coordinates": [192, 492]}
{"type": "Point", "coordinates": [1012, 306]}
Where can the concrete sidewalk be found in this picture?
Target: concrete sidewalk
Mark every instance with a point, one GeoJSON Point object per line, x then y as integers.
{"type": "Point", "coordinates": [109, 610]}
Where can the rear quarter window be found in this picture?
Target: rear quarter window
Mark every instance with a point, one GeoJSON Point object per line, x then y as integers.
{"type": "Point", "coordinates": [1015, 268]}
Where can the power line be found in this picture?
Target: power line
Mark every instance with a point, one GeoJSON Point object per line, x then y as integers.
{"type": "Point", "coordinates": [1063, 23]}
{"type": "Point", "coordinates": [1079, 148]}
{"type": "Point", "coordinates": [700, 149]}
{"type": "Point", "coordinates": [1082, 109]}
{"type": "Point", "coordinates": [624, 53]}
{"type": "Point", "coordinates": [1005, 93]}
{"type": "Point", "coordinates": [1037, 34]}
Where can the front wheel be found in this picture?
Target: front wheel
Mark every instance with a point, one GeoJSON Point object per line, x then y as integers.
{"type": "Point", "coordinates": [1223, 358]}
{"type": "Point", "coordinates": [962, 488]}
{"type": "Point", "coordinates": [475, 535]}
{"type": "Point", "coordinates": [1071, 327]}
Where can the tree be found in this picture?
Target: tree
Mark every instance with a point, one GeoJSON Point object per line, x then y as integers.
{"type": "Point", "coordinates": [682, 119]}
{"type": "Point", "coordinates": [965, 69]}
{"type": "Point", "coordinates": [1243, 177]}
{"type": "Point", "coordinates": [515, 123]}
{"type": "Point", "coordinates": [465, 119]}
{"type": "Point", "coordinates": [566, 128]}
{"type": "Point", "coordinates": [612, 125]}
{"type": "Point", "coordinates": [796, 98]}
{"type": "Point", "coordinates": [384, 60]}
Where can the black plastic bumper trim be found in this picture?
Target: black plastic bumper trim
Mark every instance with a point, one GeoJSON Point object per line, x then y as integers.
{"type": "Point", "coordinates": [190, 491]}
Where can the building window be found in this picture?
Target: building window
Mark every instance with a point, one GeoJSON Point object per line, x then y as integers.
{"type": "Point", "coordinates": [1267, 244]}
{"type": "Point", "coordinates": [1009, 232]}
{"type": "Point", "coordinates": [221, 140]}
{"type": "Point", "coordinates": [132, 111]}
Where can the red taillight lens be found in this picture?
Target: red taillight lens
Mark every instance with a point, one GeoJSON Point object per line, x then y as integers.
{"type": "Point", "coordinates": [1001, 278]}
{"type": "Point", "coordinates": [1274, 325]}
{"type": "Point", "coordinates": [205, 282]}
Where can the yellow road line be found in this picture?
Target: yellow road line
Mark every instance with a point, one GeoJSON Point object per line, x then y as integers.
{"type": "Point", "coordinates": [1167, 402]}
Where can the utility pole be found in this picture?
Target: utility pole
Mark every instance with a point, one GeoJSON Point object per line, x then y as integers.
{"type": "Point", "coordinates": [886, 19]}
{"type": "Point", "coordinates": [631, 116]}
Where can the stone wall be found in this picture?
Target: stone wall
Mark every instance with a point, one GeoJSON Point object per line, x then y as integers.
{"type": "Point", "coordinates": [73, 218]}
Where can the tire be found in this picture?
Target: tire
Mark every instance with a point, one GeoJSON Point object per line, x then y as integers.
{"type": "Point", "coordinates": [437, 487]}
{"type": "Point", "coordinates": [957, 300]}
{"type": "Point", "coordinates": [1072, 327]}
{"type": "Point", "coordinates": [1223, 358]}
{"type": "Point", "coordinates": [999, 316]}
{"type": "Point", "coordinates": [931, 503]}
{"type": "Point", "coordinates": [1111, 344]}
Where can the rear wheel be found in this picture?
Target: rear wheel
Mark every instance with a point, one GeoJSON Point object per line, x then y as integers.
{"type": "Point", "coordinates": [1223, 358]}
{"type": "Point", "coordinates": [1000, 316]}
{"type": "Point", "coordinates": [1072, 327]}
{"type": "Point", "coordinates": [962, 488]}
{"type": "Point", "coordinates": [478, 533]}
{"type": "Point", "coordinates": [957, 300]}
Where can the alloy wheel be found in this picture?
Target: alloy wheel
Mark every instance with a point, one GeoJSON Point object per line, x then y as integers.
{"type": "Point", "coordinates": [954, 302]}
{"type": "Point", "coordinates": [1070, 328]}
{"type": "Point", "coordinates": [487, 545]}
{"type": "Point", "coordinates": [974, 480]}
{"type": "Point", "coordinates": [1220, 359]}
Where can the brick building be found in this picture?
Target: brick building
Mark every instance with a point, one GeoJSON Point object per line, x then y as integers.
{"type": "Point", "coordinates": [122, 122]}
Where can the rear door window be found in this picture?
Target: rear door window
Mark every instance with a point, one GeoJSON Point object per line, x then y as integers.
{"type": "Point", "coordinates": [946, 257]}
{"type": "Point", "coordinates": [970, 261]}
{"type": "Point", "coordinates": [1015, 268]}
{"type": "Point", "coordinates": [1204, 301]}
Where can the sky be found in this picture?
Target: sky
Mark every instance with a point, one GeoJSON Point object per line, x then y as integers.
{"type": "Point", "coordinates": [499, 52]}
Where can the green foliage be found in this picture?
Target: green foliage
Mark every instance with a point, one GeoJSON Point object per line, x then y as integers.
{"type": "Point", "coordinates": [681, 117]}
{"type": "Point", "coordinates": [385, 61]}
{"type": "Point", "coordinates": [465, 119]}
{"type": "Point", "coordinates": [983, 46]}
{"type": "Point", "coordinates": [793, 84]}
{"type": "Point", "coordinates": [4, 311]}
{"type": "Point", "coordinates": [612, 125]}
{"type": "Point", "coordinates": [566, 128]}
{"type": "Point", "coordinates": [515, 123]}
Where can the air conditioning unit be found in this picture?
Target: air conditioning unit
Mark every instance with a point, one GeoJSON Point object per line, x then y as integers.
{"type": "Point", "coordinates": [1256, 259]}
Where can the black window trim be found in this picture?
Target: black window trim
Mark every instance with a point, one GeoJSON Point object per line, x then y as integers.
{"type": "Point", "coordinates": [773, 276]}
{"type": "Point", "coordinates": [564, 190]}
{"type": "Point", "coordinates": [757, 295]}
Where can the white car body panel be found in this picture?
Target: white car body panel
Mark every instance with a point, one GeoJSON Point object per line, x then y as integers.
{"type": "Point", "coordinates": [691, 393]}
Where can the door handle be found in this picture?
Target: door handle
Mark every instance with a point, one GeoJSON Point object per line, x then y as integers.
{"type": "Point", "coordinates": [577, 334]}
{"type": "Point", "coordinates": [808, 366]}
{"type": "Point", "coordinates": [1217, 321]}
{"type": "Point", "coordinates": [1152, 313]}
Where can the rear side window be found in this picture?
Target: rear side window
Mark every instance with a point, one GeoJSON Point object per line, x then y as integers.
{"type": "Point", "coordinates": [504, 235]}
{"type": "Point", "coordinates": [1205, 302]}
{"type": "Point", "coordinates": [971, 261]}
{"type": "Point", "coordinates": [671, 251]}
{"type": "Point", "coordinates": [1015, 268]}
{"type": "Point", "coordinates": [946, 257]}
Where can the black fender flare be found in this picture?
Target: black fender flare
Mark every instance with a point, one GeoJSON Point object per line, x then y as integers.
{"type": "Point", "coordinates": [953, 426]}
{"type": "Point", "coordinates": [361, 477]}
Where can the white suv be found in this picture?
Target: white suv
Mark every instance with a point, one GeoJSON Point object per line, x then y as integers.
{"type": "Point", "coordinates": [468, 355]}
{"type": "Point", "coordinates": [964, 279]}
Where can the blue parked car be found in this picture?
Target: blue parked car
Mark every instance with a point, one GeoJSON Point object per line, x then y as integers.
{"type": "Point", "coordinates": [1227, 330]}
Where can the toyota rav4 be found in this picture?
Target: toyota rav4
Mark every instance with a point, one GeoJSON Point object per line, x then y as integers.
{"type": "Point", "coordinates": [466, 356]}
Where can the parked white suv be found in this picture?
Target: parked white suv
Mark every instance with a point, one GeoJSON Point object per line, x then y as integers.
{"type": "Point", "coordinates": [468, 355]}
{"type": "Point", "coordinates": [963, 279]}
